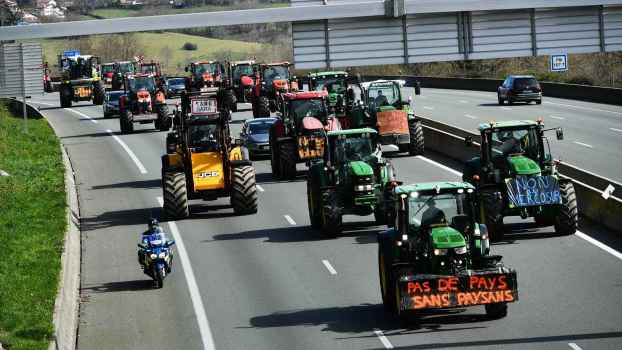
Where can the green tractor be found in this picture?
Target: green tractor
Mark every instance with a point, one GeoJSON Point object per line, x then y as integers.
{"type": "Point", "coordinates": [380, 105]}
{"type": "Point", "coordinates": [351, 179]}
{"type": "Point", "coordinates": [335, 83]}
{"type": "Point", "coordinates": [516, 175]}
{"type": "Point", "coordinates": [80, 80]}
{"type": "Point", "coordinates": [437, 256]}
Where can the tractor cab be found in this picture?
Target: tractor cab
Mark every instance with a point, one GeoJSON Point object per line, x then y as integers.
{"type": "Point", "coordinates": [121, 70]}
{"type": "Point", "coordinates": [107, 71]}
{"type": "Point", "coordinates": [242, 78]}
{"type": "Point", "coordinates": [304, 109]}
{"type": "Point", "coordinates": [385, 95]}
{"type": "Point", "coordinates": [275, 76]}
{"type": "Point", "coordinates": [150, 68]}
{"type": "Point", "coordinates": [206, 74]}
{"type": "Point", "coordinates": [335, 83]}
{"type": "Point", "coordinates": [79, 67]}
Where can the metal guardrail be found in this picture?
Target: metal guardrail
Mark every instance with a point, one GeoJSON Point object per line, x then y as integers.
{"type": "Point", "coordinates": [448, 141]}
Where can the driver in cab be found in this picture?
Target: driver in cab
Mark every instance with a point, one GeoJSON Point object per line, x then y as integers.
{"type": "Point", "coordinates": [432, 215]}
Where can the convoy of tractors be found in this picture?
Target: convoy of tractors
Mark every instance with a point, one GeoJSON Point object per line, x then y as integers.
{"type": "Point", "coordinates": [435, 252]}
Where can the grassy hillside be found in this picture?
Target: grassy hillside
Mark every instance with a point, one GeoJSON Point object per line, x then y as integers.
{"type": "Point", "coordinates": [165, 47]}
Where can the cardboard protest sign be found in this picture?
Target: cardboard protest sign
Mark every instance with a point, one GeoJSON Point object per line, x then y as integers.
{"type": "Point", "coordinates": [528, 191]}
{"type": "Point", "coordinates": [392, 122]}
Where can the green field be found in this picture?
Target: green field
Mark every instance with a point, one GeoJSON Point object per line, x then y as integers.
{"type": "Point", "coordinates": [167, 48]}
{"type": "Point", "coordinates": [167, 10]}
{"type": "Point", "coordinates": [32, 227]}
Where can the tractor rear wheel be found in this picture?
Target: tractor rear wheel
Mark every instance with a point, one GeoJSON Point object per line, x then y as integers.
{"type": "Point", "coordinates": [331, 214]}
{"type": "Point", "coordinates": [164, 122]}
{"type": "Point", "coordinates": [65, 97]}
{"type": "Point", "coordinates": [416, 146]}
{"type": "Point", "coordinates": [261, 107]}
{"type": "Point", "coordinates": [98, 93]}
{"type": "Point", "coordinates": [380, 216]}
{"type": "Point", "coordinates": [496, 310]}
{"type": "Point", "coordinates": [313, 203]}
{"type": "Point", "coordinates": [125, 122]}
{"type": "Point", "coordinates": [387, 283]}
{"type": "Point", "coordinates": [274, 156]}
{"type": "Point", "coordinates": [493, 214]}
{"type": "Point", "coordinates": [175, 195]}
{"type": "Point", "coordinates": [243, 190]}
{"type": "Point", "coordinates": [287, 160]}
{"type": "Point", "coordinates": [567, 217]}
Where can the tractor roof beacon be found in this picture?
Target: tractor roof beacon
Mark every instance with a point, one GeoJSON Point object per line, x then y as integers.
{"type": "Point", "coordinates": [353, 178]}
{"type": "Point", "coordinates": [201, 162]}
{"type": "Point", "coordinates": [437, 255]}
{"type": "Point", "coordinates": [517, 176]}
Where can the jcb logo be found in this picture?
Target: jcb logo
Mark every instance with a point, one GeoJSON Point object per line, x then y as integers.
{"type": "Point", "coordinates": [207, 174]}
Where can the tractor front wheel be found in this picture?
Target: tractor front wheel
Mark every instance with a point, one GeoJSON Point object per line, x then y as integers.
{"type": "Point", "coordinates": [287, 160]}
{"type": "Point", "coordinates": [230, 100]}
{"type": "Point", "coordinates": [385, 276]}
{"type": "Point", "coordinates": [331, 214]}
{"type": "Point", "coordinates": [261, 108]}
{"type": "Point", "coordinates": [496, 310]}
{"type": "Point", "coordinates": [274, 159]}
{"type": "Point", "coordinates": [417, 145]}
{"type": "Point", "coordinates": [493, 214]}
{"type": "Point", "coordinates": [164, 122]}
{"type": "Point", "coordinates": [243, 190]}
{"type": "Point", "coordinates": [175, 195]}
{"type": "Point", "coordinates": [313, 203]}
{"type": "Point", "coordinates": [567, 217]}
{"type": "Point", "coordinates": [65, 97]}
{"type": "Point", "coordinates": [126, 123]}
{"type": "Point", "coordinates": [98, 93]}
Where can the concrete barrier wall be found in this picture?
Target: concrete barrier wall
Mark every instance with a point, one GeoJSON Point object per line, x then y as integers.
{"type": "Point", "coordinates": [449, 141]}
{"type": "Point", "coordinates": [570, 91]}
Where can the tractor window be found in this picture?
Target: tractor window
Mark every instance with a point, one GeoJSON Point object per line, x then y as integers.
{"type": "Point", "coordinates": [146, 83]}
{"type": "Point", "coordinates": [148, 69]}
{"type": "Point", "coordinates": [204, 137]}
{"type": "Point", "coordinates": [308, 108]}
{"type": "Point", "coordinates": [517, 141]}
{"type": "Point", "coordinates": [107, 69]}
{"type": "Point", "coordinates": [383, 95]}
{"type": "Point", "coordinates": [126, 67]}
{"type": "Point", "coordinates": [211, 68]}
{"type": "Point", "coordinates": [440, 209]}
{"type": "Point", "coordinates": [241, 70]}
{"type": "Point", "coordinates": [353, 149]}
{"type": "Point", "coordinates": [332, 85]}
{"type": "Point", "coordinates": [271, 73]}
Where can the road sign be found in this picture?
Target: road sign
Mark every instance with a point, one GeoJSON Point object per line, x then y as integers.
{"type": "Point", "coordinates": [559, 63]}
{"type": "Point", "coordinates": [21, 72]}
{"type": "Point", "coordinates": [71, 53]}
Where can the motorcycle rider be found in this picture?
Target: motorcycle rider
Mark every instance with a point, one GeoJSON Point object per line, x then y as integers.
{"type": "Point", "coordinates": [153, 233]}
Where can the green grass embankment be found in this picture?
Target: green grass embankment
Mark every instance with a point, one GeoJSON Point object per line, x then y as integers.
{"type": "Point", "coordinates": [32, 227]}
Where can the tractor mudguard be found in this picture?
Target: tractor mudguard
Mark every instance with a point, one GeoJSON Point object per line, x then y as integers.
{"type": "Point", "coordinates": [239, 153]}
{"type": "Point", "coordinates": [172, 162]}
{"type": "Point", "coordinates": [239, 163]}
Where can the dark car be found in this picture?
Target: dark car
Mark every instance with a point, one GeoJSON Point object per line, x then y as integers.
{"type": "Point", "coordinates": [174, 86]}
{"type": "Point", "coordinates": [255, 135]}
{"type": "Point", "coordinates": [519, 88]}
{"type": "Point", "coordinates": [111, 103]}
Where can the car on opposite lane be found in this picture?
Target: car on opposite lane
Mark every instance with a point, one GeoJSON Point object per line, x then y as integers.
{"type": "Point", "coordinates": [111, 103]}
{"type": "Point", "coordinates": [519, 88]}
{"type": "Point", "coordinates": [255, 135]}
{"type": "Point", "coordinates": [174, 86]}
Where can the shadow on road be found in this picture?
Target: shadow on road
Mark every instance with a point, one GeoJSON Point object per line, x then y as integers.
{"type": "Point", "coordinates": [58, 107]}
{"type": "Point", "coordinates": [119, 218]}
{"type": "Point", "coordinates": [267, 178]}
{"type": "Point", "coordinates": [121, 286]}
{"type": "Point", "coordinates": [154, 183]}
{"type": "Point", "coordinates": [367, 317]}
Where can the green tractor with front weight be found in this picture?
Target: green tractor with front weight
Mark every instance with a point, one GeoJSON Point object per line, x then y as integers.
{"type": "Point", "coordinates": [516, 175]}
{"type": "Point", "coordinates": [335, 83]}
{"type": "Point", "coordinates": [351, 179]}
{"type": "Point", "coordinates": [436, 255]}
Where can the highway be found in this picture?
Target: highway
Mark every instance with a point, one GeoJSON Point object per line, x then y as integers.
{"type": "Point", "coordinates": [267, 281]}
{"type": "Point", "coordinates": [592, 132]}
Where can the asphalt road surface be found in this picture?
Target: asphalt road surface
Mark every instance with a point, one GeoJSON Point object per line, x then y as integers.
{"type": "Point", "coordinates": [267, 281]}
{"type": "Point", "coordinates": [592, 131]}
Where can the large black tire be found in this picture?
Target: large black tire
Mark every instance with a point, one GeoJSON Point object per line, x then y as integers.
{"type": "Point", "coordinates": [287, 160]}
{"type": "Point", "coordinates": [261, 107]}
{"type": "Point", "coordinates": [243, 190]}
{"type": "Point", "coordinates": [567, 219]}
{"type": "Point", "coordinates": [314, 201]}
{"type": "Point", "coordinates": [272, 106]}
{"type": "Point", "coordinates": [499, 99]}
{"type": "Point", "coordinates": [65, 97]}
{"type": "Point", "coordinates": [175, 195]}
{"type": "Point", "coordinates": [493, 214]}
{"type": "Point", "coordinates": [158, 275]}
{"type": "Point", "coordinates": [126, 123]}
{"type": "Point", "coordinates": [229, 99]}
{"type": "Point", "coordinates": [164, 122]}
{"type": "Point", "coordinates": [98, 93]}
{"type": "Point", "coordinates": [417, 145]}
{"type": "Point", "coordinates": [544, 219]}
{"type": "Point", "coordinates": [539, 102]}
{"type": "Point", "coordinates": [496, 310]}
{"type": "Point", "coordinates": [386, 280]}
{"type": "Point", "coordinates": [274, 158]}
{"type": "Point", "coordinates": [380, 216]}
{"type": "Point", "coordinates": [332, 218]}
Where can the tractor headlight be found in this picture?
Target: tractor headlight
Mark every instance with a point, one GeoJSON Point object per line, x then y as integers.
{"type": "Point", "coordinates": [153, 256]}
{"type": "Point", "coordinates": [362, 188]}
{"type": "Point", "coordinates": [162, 255]}
{"type": "Point", "coordinates": [404, 237]}
{"type": "Point", "coordinates": [440, 251]}
{"type": "Point", "coordinates": [461, 250]}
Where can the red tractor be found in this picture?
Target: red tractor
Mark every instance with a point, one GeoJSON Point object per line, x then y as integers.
{"type": "Point", "coordinates": [211, 75]}
{"type": "Point", "coordinates": [272, 80]}
{"type": "Point", "coordinates": [143, 102]}
{"type": "Point", "coordinates": [299, 135]}
{"type": "Point", "coordinates": [152, 68]}
{"type": "Point", "coordinates": [241, 74]}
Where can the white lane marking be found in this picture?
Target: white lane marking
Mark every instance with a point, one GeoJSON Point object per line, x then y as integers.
{"type": "Point", "coordinates": [581, 107]}
{"type": "Point", "coordinates": [195, 295]}
{"type": "Point", "coordinates": [455, 172]}
{"type": "Point", "coordinates": [428, 108]}
{"type": "Point", "coordinates": [574, 346]}
{"type": "Point", "coordinates": [129, 152]}
{"type": "Point", "coordinates": [579, 234]}
{"type": "Point", "coordinates": [557, 117]}
{"type": "Point", "coordinates": [329, 267]}
{"type": "Point", "coordinates": [614, 129]}
{"type": "Point", "coordinates": [583, 144]}
{"type": "Point", "coordinates": [464, 101]}
{"type": "Point", "coordinates": [470, 116]}
{"type": "Point", "coordinates": [83, 115]}
{"type": "Point", "coordinates": [290, 220]}
{"type": "Point", "coordinates": [259, 188]}
{"type": "Point", "coordinates": [506, 108]}
{"type": "Point", "coordinates": [384, 340]}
